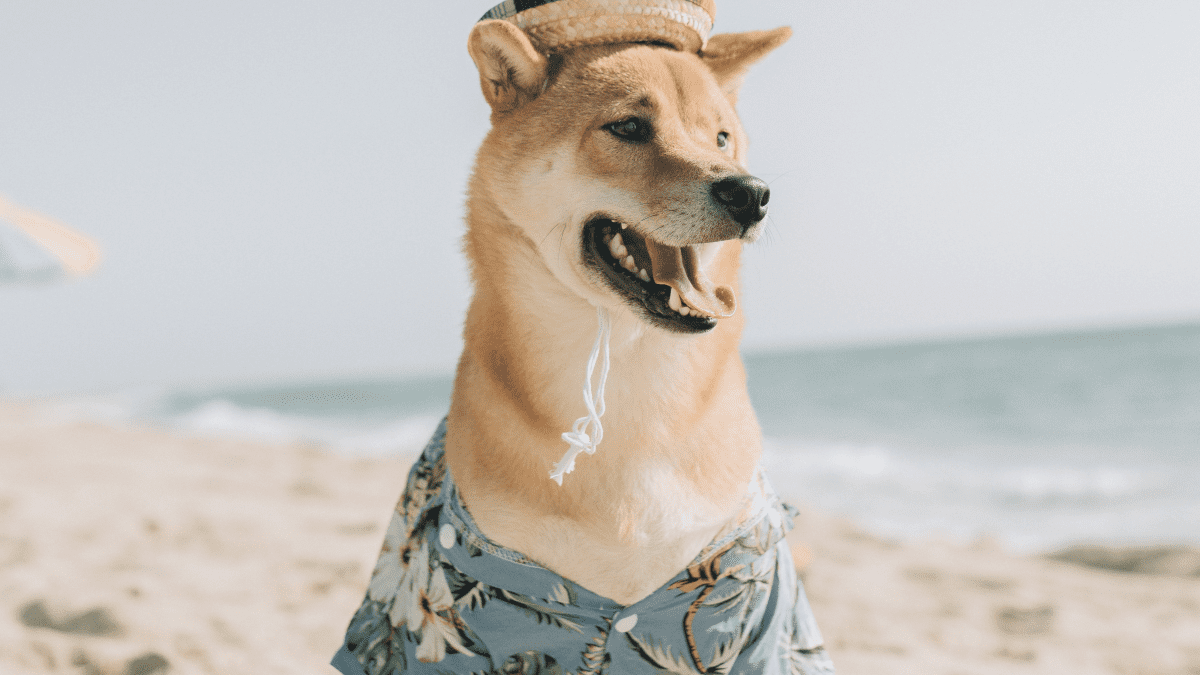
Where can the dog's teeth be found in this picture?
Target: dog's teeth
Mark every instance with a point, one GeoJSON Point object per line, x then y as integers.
{"type": "Point", "coordinates": [623, 226]}
{"type": "Point", "coordinates": [621, 252]}
{"type": "Point", "coordinates": [629, 264]}
{"type": "Point", "coordinates": [673, 302]}
{"type": "Point", "coordinates": [643, 276]}
{"type": "Point", "coordinates": [616, 239]}
{"type": "Point", "coordinates": [614, 247]}
{"type": "Point", "coordinates": [685, 310]}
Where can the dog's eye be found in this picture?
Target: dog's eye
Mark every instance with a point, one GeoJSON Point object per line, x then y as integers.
{"type": "Point", "coordinates": [722, 140]}
{"type": "Point", "coordinates": [633, 129]}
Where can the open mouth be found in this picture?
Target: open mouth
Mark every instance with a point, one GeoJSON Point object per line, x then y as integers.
{"type": "Point", "coordinates": [667, 283]}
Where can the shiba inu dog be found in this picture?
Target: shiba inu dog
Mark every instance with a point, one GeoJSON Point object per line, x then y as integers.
{"type": "Point", "coordinates": [613, 177]}
{"type": "Point", "coordinates": [638, 146]}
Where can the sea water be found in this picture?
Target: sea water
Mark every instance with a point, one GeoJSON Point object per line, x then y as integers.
{"type": "Point", "coordinates": [1038, 441]}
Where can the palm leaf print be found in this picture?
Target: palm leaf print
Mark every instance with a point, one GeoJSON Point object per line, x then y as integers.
{"type": "Point", "coordinates": [660, 656]}
{"type": "Point", "coordinates": [469, 594]}
{"type": "Point", "coordinates": [563, 594]}
{"type": "Point", "coordinates": [542, 613]}
{"type": "Point", "coordinates": [702, 576]}
{"type": "Point", "coordinates": [725, 654]}
{"type": "Point", "coordinates": [475, 598]}
{"type": "Point", "coordinates": [596, 657]}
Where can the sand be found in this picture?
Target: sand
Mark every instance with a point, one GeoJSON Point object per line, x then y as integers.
{"type": "Point", "coordinates": [131, 551]}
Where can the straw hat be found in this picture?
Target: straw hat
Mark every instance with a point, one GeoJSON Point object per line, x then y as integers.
{"type": "Point", "coordinates": [555, 25]}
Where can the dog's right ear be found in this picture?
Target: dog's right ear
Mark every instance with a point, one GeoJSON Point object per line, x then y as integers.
{"type": "Point", "coordinates": [511, 71]}
{"type": "Point", "coordinates": [730, 55]}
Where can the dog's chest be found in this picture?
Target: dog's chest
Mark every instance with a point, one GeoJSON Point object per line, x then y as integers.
{"type": "Point", "coordinates": [656, 523]}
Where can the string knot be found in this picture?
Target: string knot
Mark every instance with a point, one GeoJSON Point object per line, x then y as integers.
{"type": "Point", "coordinates": [587, 431]}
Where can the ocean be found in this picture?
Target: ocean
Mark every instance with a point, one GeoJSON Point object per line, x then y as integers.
{"type": "Point", "coordinates": [1036, 441]}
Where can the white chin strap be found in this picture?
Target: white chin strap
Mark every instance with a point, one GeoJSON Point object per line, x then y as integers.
{"type": "Point", "coordinates": [587, 432]}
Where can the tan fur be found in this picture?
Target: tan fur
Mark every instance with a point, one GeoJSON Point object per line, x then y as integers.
{"type": "Point", "coordinates": [681, 440]}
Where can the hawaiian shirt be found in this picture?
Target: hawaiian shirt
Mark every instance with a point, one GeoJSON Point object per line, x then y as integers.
{"type": "Point", "coordinates": [443, 598]}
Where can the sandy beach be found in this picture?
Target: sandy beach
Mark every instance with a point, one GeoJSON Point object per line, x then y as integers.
{"type": "Point", "coordinates": [131, 551]}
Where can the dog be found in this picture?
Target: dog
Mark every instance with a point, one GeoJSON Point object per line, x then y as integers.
{"type": "Point", "coordinates": [613, 177]}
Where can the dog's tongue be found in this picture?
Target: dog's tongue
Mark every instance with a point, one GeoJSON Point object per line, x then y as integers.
{"type": "Point", "coordinates": [680, 268]}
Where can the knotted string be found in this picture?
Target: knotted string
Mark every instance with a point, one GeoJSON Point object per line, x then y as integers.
{"type": "Point", "coordinates": [587, 432]}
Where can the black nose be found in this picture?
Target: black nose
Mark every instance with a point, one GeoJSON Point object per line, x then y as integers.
{"type": "Point", "coordinates": [745, 197]}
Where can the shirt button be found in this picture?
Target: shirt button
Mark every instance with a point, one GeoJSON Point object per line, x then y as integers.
{"type": "Point", "coordinates": [625, 624]}
{"type": "Point", "coordinates": [446, 536]}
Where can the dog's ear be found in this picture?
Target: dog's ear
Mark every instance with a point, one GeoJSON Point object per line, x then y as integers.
{"type": "Point", "coordinates": [511, 71]}
{"type": "Point", "coordinates": [730, 55]}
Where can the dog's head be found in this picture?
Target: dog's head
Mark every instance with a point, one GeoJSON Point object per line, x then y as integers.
{"type": "Point", "coordinates": [622, 166]}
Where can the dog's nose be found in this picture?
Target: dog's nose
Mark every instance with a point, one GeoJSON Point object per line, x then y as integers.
{"type": "Point", "coordinates": [745, 197]}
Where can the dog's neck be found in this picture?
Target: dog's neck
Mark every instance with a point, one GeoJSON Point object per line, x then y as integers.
{"type": "Point", "coordinates": [680, 438]}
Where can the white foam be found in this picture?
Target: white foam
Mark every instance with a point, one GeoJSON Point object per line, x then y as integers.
{"type": "Point", "coordinates": [346, 435]}
{"type": "Point", "coordinates": [117, 407]}
{"type": "Point", "coordinates": [1029, 505]}
{"type": "Point", "coordinates": [1050, 483]}
{"type": "Point", "coordinates": [371, 435]}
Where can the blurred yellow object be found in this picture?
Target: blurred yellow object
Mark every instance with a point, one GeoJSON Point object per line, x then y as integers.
{"type": "Point", "coordinates": [76, 253]}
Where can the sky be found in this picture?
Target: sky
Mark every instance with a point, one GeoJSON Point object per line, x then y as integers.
{"type": "Point", "coordinates": [278, 186]}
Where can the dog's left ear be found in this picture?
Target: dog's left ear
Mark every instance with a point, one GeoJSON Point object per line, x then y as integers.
{"type": "Point", "coordinates": [511, 71]}
{"type": "Point", "coordinates": [730, 55]}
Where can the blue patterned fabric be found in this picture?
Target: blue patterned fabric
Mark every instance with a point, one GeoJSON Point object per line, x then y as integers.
{"type": "Point", "coordinates": [445, 599]}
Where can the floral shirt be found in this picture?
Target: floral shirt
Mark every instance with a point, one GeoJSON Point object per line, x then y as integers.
{"type": "Point", "coordinates": [445, 599]}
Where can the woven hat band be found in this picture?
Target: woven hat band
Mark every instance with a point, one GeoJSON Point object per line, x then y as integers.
{"type": "Point", "coordinates": [555, 25]}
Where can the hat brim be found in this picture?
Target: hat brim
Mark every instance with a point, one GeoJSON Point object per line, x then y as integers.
{"type": "Point", "coordinates": [558, 25]}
